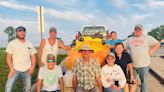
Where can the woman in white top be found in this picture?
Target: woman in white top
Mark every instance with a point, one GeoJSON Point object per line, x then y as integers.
{"type": "Point", "coordinates": [112, 76]}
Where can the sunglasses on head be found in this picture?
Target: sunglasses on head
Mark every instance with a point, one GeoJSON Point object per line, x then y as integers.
{"type": "Point", "coordinates": [51, 61]}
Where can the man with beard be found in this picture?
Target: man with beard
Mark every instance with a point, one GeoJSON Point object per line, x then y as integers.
{"type": "Point", "coordinates": [21, 61]}
{"type": "Point", "coordinates": [141, 47]}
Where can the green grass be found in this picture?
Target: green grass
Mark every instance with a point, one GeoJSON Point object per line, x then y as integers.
{"type": "Point", "coordinates": [4, 70]}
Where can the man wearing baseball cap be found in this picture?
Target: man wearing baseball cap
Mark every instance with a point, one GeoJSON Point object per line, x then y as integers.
{"type": "Point", "coordinates": [21, 61]}
{"type": "Point", "coordinates": [50, 45]}
{"type": "Point", "coordinates": [141, 48]}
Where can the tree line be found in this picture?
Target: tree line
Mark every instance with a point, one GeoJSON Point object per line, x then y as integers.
{"type": "Point", "coordinates": [157, 33]}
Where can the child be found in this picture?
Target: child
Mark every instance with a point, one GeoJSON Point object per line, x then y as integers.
{"type": "Point", "coordinates": [50, 76]}
{"type": "Point", "coordinates": [112, 76]}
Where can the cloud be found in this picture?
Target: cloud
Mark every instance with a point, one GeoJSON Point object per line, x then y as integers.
{"type": "Point", "coordinates": [119, 3]}
{"type": "Point", "coordinates": [71, 15]}
{"type": "Point", "coordinates": [156, 3]}
{"type": "Point", "coordinates": [63, 3]}
{"type": "Point", "coordinates": [150, 4]}
{"type": "Point", "coordinates": [16, 6]}
{"type": "Point", "coordinates": [140, 17]}
{"type": "Point", "coordinates": [140, 6]}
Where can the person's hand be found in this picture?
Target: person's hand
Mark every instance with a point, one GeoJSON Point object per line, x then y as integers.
{"type": "Point", "coordinates": [41, 64]}
{"type": "Point", "coordinates": [11, 73]}
{"type": "Point", "coordinates": [114, 87]}
{"type": "Point", "coordinates": [133, 80]}
{"type": "Point", "coordinates": [31, 71]}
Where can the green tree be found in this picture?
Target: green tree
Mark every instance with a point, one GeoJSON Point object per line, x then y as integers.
{"type": "Point", "coordinates": [11, 33]}
{"type": "Point", "coordinates": [157, 32]}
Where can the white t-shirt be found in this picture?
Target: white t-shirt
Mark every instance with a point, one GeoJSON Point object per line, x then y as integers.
{"type": "Point", "coordinates": [49, 49]}
{"type": "Point", "coordinates": [110, 74]}
{"type": "Point", "coordinates": [21, 54]}
{"type": "Point", "coordinates": [139, 48]}
{"type": "Point", "coordinates": [50, 77]}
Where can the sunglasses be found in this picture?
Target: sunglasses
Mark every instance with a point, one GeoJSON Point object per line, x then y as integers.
{"type": "Point", "coordinates": [51, 61]}
{"type": "Point", "coordinates": [137, 29]}
{"type": "Point", "coordinates": [20, 30]}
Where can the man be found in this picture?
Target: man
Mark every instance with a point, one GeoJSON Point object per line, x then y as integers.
{"type": "Point", "coordinates": [141, 48]}
{"type": "Point", "coordinates": [86, 72]}
{"type": "Point", "coordinates": [113, 41]}
{"type": "Point", "coordinates": [21, 61]}
{"type": "Point", "coordinates": [49, 46]}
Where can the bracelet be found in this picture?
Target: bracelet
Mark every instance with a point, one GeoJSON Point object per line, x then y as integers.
{"type": "Point", "coordinates": [131, 76]}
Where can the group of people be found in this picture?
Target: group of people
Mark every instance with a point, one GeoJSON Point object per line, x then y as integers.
{"type": "Point", "coordinates": [21, 59]}
{"type": "Point", "coordinates": [126, 59]}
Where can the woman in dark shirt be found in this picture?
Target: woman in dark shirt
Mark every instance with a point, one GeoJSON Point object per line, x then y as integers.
{"type": "Point", "coordinates": [124, 60]}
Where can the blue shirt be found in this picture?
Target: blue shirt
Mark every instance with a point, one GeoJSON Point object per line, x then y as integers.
{"type": "Point", "coordinates": [113, 42]}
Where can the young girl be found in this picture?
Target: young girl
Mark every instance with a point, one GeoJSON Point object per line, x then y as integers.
{"type": "Point", "coordinates": [50, 76]}
{"type": "Point", "coordinates": [112, 76]}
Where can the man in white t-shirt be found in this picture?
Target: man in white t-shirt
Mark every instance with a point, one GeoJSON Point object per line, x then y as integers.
{"type": "Point", "coordinates": [49, 45]}
{"type": "Point", "coordinates": [50, 76]}
{"type": "Point", "coordinates": [141, 47]}
{"type": "Point", "coordinates": [21, 61]}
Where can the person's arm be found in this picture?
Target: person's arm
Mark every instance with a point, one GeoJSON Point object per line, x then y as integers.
{"type": "Point", "coordinates": [98, 80]}
{"type": "Point", "coordinates": [33, 62]}
{"type": "Point", "coordinates": [60, 44]}
{"type": "Point", "coordinates": [154, 48]}
{"type": "Point", "coordinates": [10, 64]}
{"type": "Point", "coordinates": [126, 42]}
{"type": "Point", "coordinates": [39, 85]}
{"type": "Point", "coordinates": [61, 84]}
{"type": "Point", "coordinates": [98, 74]}
{"type": "Point", "coordinates": [40, 50]}
{"type": "Point", "coordinates": [132, 79]}
{"type": "Point", "coordinates": [122, 80]}
{"type": "Point", "coordinates": [74, 82]}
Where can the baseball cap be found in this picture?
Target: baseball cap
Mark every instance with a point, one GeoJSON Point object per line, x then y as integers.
{"type": "Point", "coordinates": [139, 26]}
{"type": "Point", "coordinates": [110, 54]}
{"type": "Point", "coordinates": [51, 58]}
{"type": "Point", "coordinates": [20, 28]}
{"type": "Point", "coordinates": [53, 29]}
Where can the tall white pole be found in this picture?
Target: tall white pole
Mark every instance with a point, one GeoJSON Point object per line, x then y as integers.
{"type": "Point", "coordinates": [41, 20]}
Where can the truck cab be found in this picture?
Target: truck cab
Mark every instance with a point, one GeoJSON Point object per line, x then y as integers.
{"type": "Point", "coordinates": [96, 31]}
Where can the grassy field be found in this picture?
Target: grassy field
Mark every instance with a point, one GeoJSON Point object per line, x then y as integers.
{"type": "Point", "coordinates": [4, 70]}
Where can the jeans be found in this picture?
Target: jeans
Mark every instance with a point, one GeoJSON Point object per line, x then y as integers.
{"type": "Point", "coordinates": [26, 78]}
{"type": "Point", "coordinates": [81, 89]}
{"type": "Point", "coordinates": [111, 90]}
{"type": "Point", "coordinates": [143, 74]}
{"type": "Point", "coordinates": [50, 91]}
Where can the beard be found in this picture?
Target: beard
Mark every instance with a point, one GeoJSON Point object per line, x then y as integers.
{"type": "Point", "coordinates": [21, 38]}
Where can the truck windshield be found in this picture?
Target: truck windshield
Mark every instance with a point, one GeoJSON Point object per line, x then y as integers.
{"type": "Point", "coordinates": [93, 30]}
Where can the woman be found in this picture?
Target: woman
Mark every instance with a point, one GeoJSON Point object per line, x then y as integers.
{"type": "Point", "coordinates": [112, 76]}
{"type": "Point", "coordinates": [124, 60]}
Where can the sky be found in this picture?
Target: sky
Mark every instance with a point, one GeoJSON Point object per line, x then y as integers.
{"type": "Point", "coordinates": [69, 16]}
